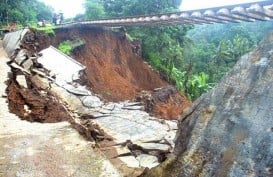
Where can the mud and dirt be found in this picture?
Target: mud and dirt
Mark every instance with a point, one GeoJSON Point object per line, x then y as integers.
{"type": "Point", "coordinates": [34, 105]}
{"type": "Point", "coordinates": [166, 103]}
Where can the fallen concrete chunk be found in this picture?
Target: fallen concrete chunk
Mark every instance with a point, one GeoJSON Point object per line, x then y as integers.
{"type": "Point", "coordinates": [105, 111]}
{"type": "Point", "coordinates": [113, 107]}
{"type": "Point", "coordinates": [27, 64]}
{"type": "Point", "coordinates": [14, 65]}
{"type": "Point", "coordinates": [122, 150]}
{"type": "Point", "coordinates": [91, 101]}
{"type": "Point", "coordinates": [77, 90]}
{"type": "Point", "coordinates": [12, 41]}
{"type": "Point", "coordinates": [134, 107]}
{"type": "Point", "coordinates": [21, 56]}
{"type": "Point", "coordinates": [99, 115]}
{"type": "Point", "coordinates": [154, 146]}
{"type": "Point", "coordinates": [148, 161]}
{"type": "Point", "coordinates": [62, 66]}
{"type": "Point", "coordinates": [21, 79]}
{"type": "Point", "coordinates": [126, 104]}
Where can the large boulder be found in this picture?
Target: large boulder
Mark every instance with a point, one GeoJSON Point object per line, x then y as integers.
{"type": "Point", "coordinates": [229, 131]}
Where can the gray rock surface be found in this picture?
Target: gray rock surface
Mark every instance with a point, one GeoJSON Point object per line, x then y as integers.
{"type": "Point", "coordinates": [229, 131]}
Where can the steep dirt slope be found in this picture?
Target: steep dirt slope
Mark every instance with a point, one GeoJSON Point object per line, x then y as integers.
{"type": "Point", "coordinates": [113, 70]}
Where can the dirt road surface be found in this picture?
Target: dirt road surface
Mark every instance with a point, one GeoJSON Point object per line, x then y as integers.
{"type": "Point", "coordinates": [44, 150]}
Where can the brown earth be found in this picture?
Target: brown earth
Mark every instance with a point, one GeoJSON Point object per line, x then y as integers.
{"type": "Point", "coordinates": [165, 103]}
{"type": "Point", "coordinates": [34, 104]}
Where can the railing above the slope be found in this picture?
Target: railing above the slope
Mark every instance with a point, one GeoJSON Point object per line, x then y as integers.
{"type": "Point", "coordinates": [248, 12]}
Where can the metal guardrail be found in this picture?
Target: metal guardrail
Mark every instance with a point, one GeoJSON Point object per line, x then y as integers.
{"type": "Point", "coordinates": [248, 12]}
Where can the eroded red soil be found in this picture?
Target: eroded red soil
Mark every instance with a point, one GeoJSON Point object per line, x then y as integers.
{"type": "Point", "coordinates": [113, 70]}
{"type": "Point", "coordinates": [34, 105]}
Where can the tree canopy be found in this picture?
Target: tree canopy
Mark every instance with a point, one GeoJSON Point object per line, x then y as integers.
{"type": "Point", "coordinates": [23, 11]}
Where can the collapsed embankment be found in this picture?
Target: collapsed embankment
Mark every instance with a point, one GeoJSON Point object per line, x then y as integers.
{"type": "Point", "coordinates": [116, 72]}
{"type": "Point", "coordinates": [47, 84]}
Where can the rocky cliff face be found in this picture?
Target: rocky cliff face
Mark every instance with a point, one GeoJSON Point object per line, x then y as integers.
{"type": "Point", "coordinates": [229, 131]}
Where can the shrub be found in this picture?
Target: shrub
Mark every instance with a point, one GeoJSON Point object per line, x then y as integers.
{"type": "Point", "coordinates": [65, 47]}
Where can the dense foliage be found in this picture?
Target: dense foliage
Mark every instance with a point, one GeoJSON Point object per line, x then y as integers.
{"type": "Point", "coordinates": [23, 11]}
{"type": "Point", "coordinates": [216, 48]}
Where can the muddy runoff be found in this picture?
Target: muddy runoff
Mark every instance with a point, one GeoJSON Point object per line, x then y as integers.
{"type": "Point", "coordinates": [46, 85]}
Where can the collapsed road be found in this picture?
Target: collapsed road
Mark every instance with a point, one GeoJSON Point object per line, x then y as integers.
{"type": "Point", "coordinates": [42, 150]}
{"type": "Point", "coordinates": [44, 86]}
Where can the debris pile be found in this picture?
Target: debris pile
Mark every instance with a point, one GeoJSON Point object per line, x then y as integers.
{"type": "Point", "coordinates": [166, 103]}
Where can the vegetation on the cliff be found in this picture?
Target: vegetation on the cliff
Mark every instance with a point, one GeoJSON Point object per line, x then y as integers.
{"type": "Point", "coordinates": [65, 47]}
{"type": "Point", "coordinates": [68, 46]}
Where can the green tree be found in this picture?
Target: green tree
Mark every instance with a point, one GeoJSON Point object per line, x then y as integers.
{"type": "Point", "coordinates": [23, 11]}
{"type": "Point", "coordinates": [93, 9]}
{"type": "Point", "coordinates": [217, 47]}
{"type": "Point", "coordinates": [118, 8]}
